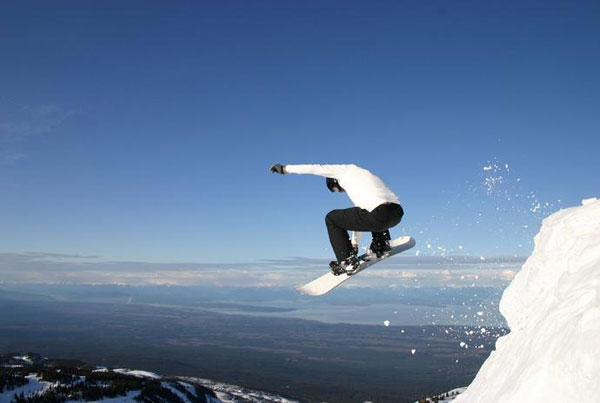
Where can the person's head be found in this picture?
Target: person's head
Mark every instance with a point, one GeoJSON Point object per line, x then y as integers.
{"type": "Point", "coordinates": [333, 185]}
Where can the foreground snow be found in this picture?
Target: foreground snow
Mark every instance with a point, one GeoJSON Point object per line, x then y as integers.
{"type": "Point", "coordinates": [130, 397]}
{"type": "Point", "coordinates": [154, 387]}
{"type": "Point", "coordinates": [447, 397]}
{"type": "Point", "coordinates": [138, 373]}
{"type": "Point", "coordinates": [34, 386]}
{"type": "Point", "coordinates": [552, 307]}
{"type": "Point", "coordinates": [228, 393]}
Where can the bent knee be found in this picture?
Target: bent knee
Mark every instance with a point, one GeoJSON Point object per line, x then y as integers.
{"type": "Point", "coordinates": [332, 217]}
{"type": "Point", "coordinates": [329, 218]}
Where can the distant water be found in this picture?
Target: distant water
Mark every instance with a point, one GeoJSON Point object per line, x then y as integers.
{"type": "Point", "coordinates": [378, 314]}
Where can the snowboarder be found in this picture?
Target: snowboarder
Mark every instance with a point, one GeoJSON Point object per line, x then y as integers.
{"type": "Point", "coordinates": [376, 210]}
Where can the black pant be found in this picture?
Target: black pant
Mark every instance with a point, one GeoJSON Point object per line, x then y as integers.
{"type": "Point", "coordinates": [377, 221]}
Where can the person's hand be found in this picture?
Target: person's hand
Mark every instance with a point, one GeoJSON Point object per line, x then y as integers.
{"type": "Point", "coordinates": [277, 169]}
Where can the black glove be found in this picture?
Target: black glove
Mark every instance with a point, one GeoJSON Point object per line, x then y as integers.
{"type": "Point", "coordinates": [277, 168]}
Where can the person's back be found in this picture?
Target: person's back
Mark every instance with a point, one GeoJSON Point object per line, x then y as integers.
{"type": "Point", "coordinates": [363, 188]}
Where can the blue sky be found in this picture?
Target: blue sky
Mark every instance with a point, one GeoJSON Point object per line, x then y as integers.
{"type": "Point", "coordinates": [143, 130]}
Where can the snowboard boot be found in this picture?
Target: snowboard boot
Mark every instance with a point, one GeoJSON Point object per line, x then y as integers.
{"type": "Point", "coordinates": [347, 266]}
{"type": "Point", "coordinates": [380, 245]}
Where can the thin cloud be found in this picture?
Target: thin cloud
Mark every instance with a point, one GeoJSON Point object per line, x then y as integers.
{"type": "Point", "coordinates": [51, 255]}
{"type": "Point", "coordinates": [47, 267]}
{"type": "Point", "coordinates": [18, 123]}
{"type": "Point", "coordinates": [11, 158]}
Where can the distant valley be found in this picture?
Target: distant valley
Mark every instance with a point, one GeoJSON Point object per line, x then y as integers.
{"type": "Point", "coordinates": [299, 359]}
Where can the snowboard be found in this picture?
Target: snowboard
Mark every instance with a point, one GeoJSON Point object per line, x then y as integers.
{"type": "Point", "coordinates": [329, 281]}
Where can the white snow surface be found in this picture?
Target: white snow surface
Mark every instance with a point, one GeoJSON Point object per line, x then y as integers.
{"type": "Point", "coordinates": [177, 393]}
{"type": "Point", "coordinates": [228, 393]}
{"type": "Point", "coordinates": [552, 306]}
{"type": "Point", "coordinates": [130, 397]}
{"type": "Point", "coordinates": [37, 386]}
{"type": "Point", "coordinates": [138, 373]}
{"type": "Point", "coordinates": [452, 395]}
{"type": "Point", "coordinates": [34, 386]}
{"type": "Point", "coordinates": [24, 358]}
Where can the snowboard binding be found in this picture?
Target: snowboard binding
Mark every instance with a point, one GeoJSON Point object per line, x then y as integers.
{"type": "Point", "coordinates": [380, 246]}
{"type": "Point", "coordinates": [348, 266]}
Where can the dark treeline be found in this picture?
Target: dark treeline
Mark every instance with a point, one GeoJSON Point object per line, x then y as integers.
{"type": "Point", "coordinates": [79, 381]}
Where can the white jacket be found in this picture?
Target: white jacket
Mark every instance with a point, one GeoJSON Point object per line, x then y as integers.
{"type": "Point", "coordinates": [363, 188]}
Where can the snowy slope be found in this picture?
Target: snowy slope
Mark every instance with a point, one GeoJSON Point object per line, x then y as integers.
{"type": "Point", "coordinates": [34, 385]}
{"type": "Point", "coordinates": [228, 393]}
{"type": "Point", "coordinates": [552, 353]}
{"type": "Point", "coordinates": [20, 374]}
{"type": "Point", "coordinates": [40, 379]}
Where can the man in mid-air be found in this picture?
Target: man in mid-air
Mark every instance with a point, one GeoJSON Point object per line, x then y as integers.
{"type": "Point", "coordinates": [376, 210]}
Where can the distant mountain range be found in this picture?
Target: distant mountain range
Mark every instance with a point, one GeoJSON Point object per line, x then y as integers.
{"type": "Point", "coordinates": [33, 378]}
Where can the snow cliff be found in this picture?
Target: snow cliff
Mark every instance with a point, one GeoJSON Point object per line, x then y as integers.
{"type": "Point", "coordinates": [552, 353]}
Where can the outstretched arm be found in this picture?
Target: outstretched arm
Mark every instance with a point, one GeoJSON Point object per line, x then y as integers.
{"type": "Point", "coordinates": [328, 171]}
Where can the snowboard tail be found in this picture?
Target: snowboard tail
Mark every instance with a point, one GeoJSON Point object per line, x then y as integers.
{"type": "Point", "coordinates": [329, 281]}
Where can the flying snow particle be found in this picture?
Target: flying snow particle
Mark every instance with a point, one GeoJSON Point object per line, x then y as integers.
{"type": "Point", "coordinates": [386, 323]}
{"type": "Point", "coordinates": [413, 351]}
{"type": "Point", "coordinates": [479, 313]}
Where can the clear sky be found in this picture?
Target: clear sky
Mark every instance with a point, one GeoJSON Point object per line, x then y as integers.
{"type": "Point", "coordinates": [143, 130]}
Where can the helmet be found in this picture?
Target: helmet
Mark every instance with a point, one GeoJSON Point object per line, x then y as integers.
{"type": "Point", "coordinates": [333, 185]}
